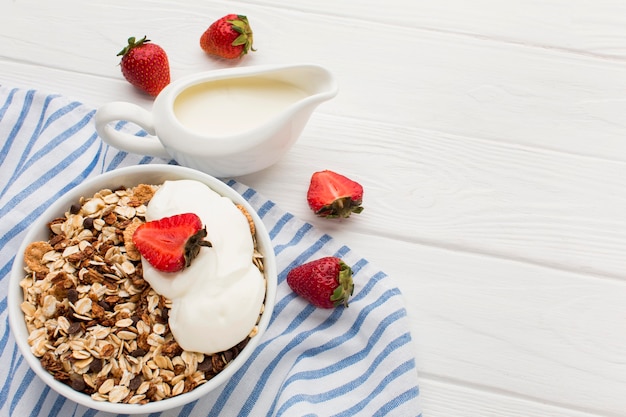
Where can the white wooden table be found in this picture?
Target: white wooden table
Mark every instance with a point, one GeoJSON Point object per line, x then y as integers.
{"type": "Point", "coordinates": [490, 137]}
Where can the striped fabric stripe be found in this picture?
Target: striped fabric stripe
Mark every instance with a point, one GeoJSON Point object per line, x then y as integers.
{"type": "Point", "coordinates": [357, 361]}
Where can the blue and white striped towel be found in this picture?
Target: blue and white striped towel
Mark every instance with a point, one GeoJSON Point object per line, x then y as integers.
{"type": "Point", "coordinates": [311, 362]}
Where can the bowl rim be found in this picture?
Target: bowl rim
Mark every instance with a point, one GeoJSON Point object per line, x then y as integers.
{"type": "Point", "coordinates": [153, 173]}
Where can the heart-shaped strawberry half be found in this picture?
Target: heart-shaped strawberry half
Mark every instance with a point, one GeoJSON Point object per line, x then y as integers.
{"type": "Point", "coordinates": [170, 244]}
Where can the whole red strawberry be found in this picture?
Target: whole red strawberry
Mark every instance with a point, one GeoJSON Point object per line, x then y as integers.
{"type": "Point", "coordinates": [333, 195]}
{"type": "Point", "coordinates": [228, 37]}
{"type": "Point", "coordinates": [145, 65]}
{"type": "Point", "coordinates": [171, 243]}
{"type": "Point", "coordinates": [325, 282]}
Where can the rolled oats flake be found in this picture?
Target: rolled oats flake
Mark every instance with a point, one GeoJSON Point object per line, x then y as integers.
{"type": "Point", "coordinates": [100, 332]}
{"type": "Point", "coordinates": [57, 228]}
{"type": "Point", "coordinates": [118, 393]}
{"type": "Point", "coordinates": [159, 328]}
{"type": "Point", "coordinates": [126, 335]}
{"type": "Point", "coordinates": [143, 388]}
{"type": "Point", "coordinates": [178, 388]}
{"type": "Point", "coordinates": [99, 397]}
{"type": "Point", "coordinates": [124, 322]}
{"type": "Point", "coordinates": [93, 321]}
{"type": "Point", "coordinates": [83, 306]}
{"type": "Point", "coordinates": [92, 206]}
{"type": "Point", "coordinates": [136, 399]}
{"type": "Point", "coordinates": [110, 198]}
{"type": "Point", "coordinates": [51, 256]}
{"type": "Point", "coordinates": [80, 355]}
{"type": "Point", "coordinates": [127, 267]}
{"type": "Point", "coordinates": [83, 363]}
{"type": "Point", "coordinates": [163, 362]}
{"type": "Point", "coordinates": [155, 340]}
{"type": "Point", "coordinates": [28, 309]}
{"type": "Point", "coordinates": [106, 386]}
{"type": "Point", "coordinates": [142, 327]}
{"type": "Point", "coordinates": [126, 211]}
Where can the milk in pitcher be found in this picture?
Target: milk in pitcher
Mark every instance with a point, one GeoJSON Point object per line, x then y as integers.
{"type": "Point", "coordinates": [230, 106]}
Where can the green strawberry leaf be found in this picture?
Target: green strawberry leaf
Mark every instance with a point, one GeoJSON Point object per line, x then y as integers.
{"type": "Point", "coordinates": [241, 40]}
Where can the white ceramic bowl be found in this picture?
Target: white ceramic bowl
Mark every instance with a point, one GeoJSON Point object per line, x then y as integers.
{"type": "Point", "coordinates": [130, 176]}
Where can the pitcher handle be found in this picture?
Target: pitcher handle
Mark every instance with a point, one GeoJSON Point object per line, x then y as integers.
{"type": "Point", "coordinates": [119, 110]}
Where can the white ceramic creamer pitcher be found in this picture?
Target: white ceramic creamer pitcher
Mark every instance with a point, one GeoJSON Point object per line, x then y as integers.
{"type": "Point", "coordinates": [226, 122]}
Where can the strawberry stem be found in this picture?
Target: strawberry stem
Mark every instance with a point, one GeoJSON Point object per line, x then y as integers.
{"type": "Point", "coordinates": [341, 207]}
{"type": "Point", "coordinates": [193, 245]}
{"type": "Point", "coordinates": [132, 44]}
{"type": "Point", "coordinates": [246, 37]}
{"type": "Point", "coordinates": [346, 286]}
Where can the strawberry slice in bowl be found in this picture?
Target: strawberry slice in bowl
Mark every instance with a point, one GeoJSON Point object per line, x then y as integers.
{"type": "Point", "coordinates": [170, 244]}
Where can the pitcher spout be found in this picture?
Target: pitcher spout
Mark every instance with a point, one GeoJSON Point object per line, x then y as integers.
{"type": "Point", "coordinates": [317, 81]}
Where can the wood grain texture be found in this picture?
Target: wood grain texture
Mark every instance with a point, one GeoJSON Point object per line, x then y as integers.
{"type": "Point", "coordinates": [444, 399]}
{"type": "Point", "coordinates": [582, 27]}
{"type": "Point", "coordinates": [489, 137]}
{"type": "Point", "coordinates": [510, 328]}
{"type": "Point", "coordinates": [475, 86]}
{"type": "Point", "coordinates": [522, 203]}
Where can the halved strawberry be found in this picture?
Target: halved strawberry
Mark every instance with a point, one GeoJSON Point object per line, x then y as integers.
{"type": "Point", "coordinates": [333, 195]}
{"type": "Point", "coordinates": [171, 243]}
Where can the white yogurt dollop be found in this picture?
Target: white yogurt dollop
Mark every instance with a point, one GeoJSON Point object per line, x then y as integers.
{"type": "Point", "coordinates": [216, 301]}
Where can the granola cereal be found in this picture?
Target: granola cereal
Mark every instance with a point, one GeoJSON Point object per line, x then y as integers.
{"type": "Point", "coordinates": [93, 321]}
